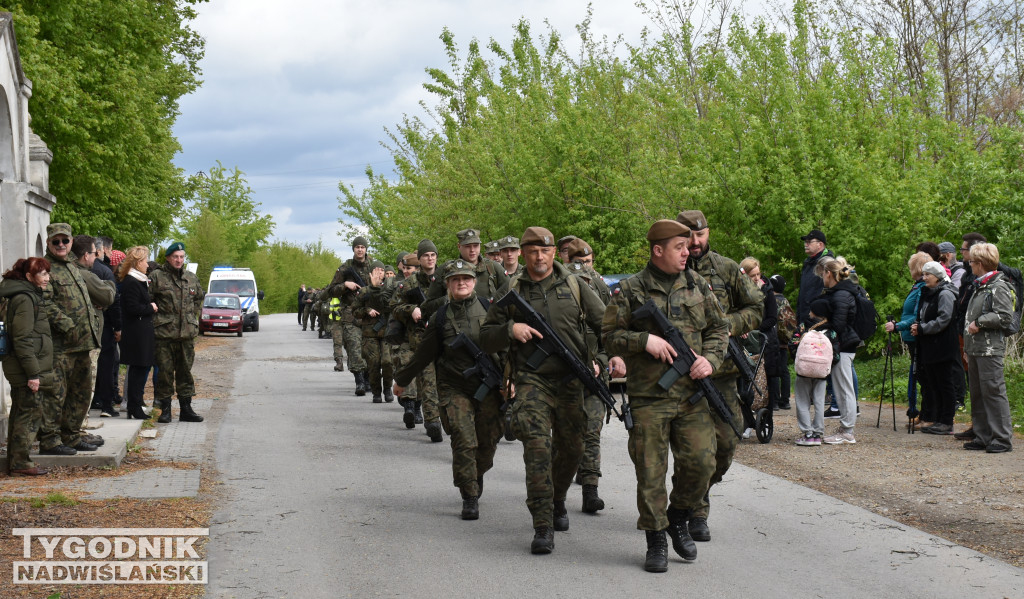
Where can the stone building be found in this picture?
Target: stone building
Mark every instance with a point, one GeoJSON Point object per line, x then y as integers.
{"type": "Point", "coordinates": [25, 200]}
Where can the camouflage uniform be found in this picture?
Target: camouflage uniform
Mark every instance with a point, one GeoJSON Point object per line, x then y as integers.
{"type": "Point", "coordinates": [666, 420]}
{"type": "Point", "coordinates": [590, 465]}
{"type": "Point", "coordinates": [548, 415]}
{"type": "Point", "coordinates": [178, 296]}
{"type": "Point", "coordinates": [402, 309]}
{"type": "Point", "coordinates": [475, 426]}
{"type": "Point", "coordinates": [320, 304]}
{"type": "Point", "coordinates": [376, 352]}
{"type": "Point", "coordinates": [75, 291]}
{"type": "Point", "coordinates": [490, 278]}
{"type": "Point", "coordinates": [743, 304]}
{"type": "Point", "coordinates": [307, 307]}
{"type": "Point", "coordinates": [345, 325]}
{"type": "Point", "coordinates": [30, 356]}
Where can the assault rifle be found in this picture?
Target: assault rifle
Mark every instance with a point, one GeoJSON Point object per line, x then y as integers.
{"type": "Point", "coordinates": [682, 364]}
{"type": "Point", "coordinates": [414, 295]}
{"type": "Point", "coordinates": [483, 368]}
{"type": "Point", "coordinates": [351, 274]}
{"type": "Point", "coordinates": [552, 344]}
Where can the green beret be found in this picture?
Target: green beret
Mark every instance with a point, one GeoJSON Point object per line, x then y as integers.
{"type": "Point", "coordinates": [174, 247]}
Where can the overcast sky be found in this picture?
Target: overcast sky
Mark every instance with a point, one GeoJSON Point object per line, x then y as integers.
{"type": "Point", "coordinates": [297, 94]}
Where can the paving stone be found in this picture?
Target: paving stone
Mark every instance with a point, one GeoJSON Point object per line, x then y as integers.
{"type": "Point", "coordinates": [154, 483]}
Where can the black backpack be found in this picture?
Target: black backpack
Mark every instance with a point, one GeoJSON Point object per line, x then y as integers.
{"type": "Point", "coordinates": [865, 319]}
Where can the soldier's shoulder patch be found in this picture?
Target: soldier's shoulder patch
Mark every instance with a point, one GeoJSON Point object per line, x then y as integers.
{"type": "Point", "coordinates": [617, 291]}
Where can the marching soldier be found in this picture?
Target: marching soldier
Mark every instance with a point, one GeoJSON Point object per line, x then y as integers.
{"type": "Point", "coordinates": [490, 277]}
{"type": "Point", "coordinates": [414, 317]}
{"type": "Point", "coordinates": [743, 305]}
{"type": "Point", "coordinates": [345, 288]}
{"type": "Point", "coordinates": [475, 424]}
{"type": "Point", "coordinates": [401, 354]}
{"type": "Point", "coordinates": [563, 248]}
{"type": "Point", "coordinates": [548, 415]}
{"type": "Point", "coordinates": [493, 252]}
{"type": "Point", "coordinates": [509, 250]}
{"type": "Point", "coordinates": [665, 420]}
{"type": "Point", "coordinates": [372, 314]}
{"type": "Point", "coordinates": [581, 263]}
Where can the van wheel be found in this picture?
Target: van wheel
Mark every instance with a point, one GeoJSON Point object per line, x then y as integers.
{"type": "Point", "coordinates": [255, 325]}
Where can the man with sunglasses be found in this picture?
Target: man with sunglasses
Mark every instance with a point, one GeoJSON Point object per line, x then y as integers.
{"type": "Point", "coordinates": [72, 362]}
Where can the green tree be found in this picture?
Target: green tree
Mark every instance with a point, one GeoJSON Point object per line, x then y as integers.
{"type": "Point", "coordinates": [222, 223]}
{"type": "Point", "coordinates": [107, 77]}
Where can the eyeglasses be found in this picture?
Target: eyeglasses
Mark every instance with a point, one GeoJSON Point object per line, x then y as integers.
{"type": "Point", "coordinates": [62, 241]}
{"type": "Point", "coordinates": [962, 250]}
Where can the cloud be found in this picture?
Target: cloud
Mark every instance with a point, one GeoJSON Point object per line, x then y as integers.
{"type": "Point", "coordinates": [298, 95]}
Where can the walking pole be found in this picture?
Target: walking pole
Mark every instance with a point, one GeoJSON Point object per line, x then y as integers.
{"type": "Point", "coordinates": [887, 373]}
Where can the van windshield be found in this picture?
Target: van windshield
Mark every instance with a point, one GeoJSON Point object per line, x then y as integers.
{"type": "Point", "coordinates": [241, 288]}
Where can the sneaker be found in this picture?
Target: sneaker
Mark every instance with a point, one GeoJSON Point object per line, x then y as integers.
{"type": "Point", "coordinates": [938, 429]}
{"type": "Point", "coordinates": [747, 432]}
{"type": "Point", "coordinates": [839, 439]}
{"type": "Point", "coordinates": [974, 446]}
{"type": "Point", "coordinates": [831, 412]}
{"type": "Point", "coordinates": [996, 447]}
{"type": "Point", "coordinates": [809, 440]}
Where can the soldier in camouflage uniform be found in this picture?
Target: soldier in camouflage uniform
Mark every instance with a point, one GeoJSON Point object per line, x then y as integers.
{"type": "Point", "coordinates": [320, 305]}
{"type": "Point", "coordinates": [743, 304]}
{"type": "Point", "coordinates": [548, 415]}
{"type": "Point", "coordinates": [475, 425]}
{"type": "Point", "coordinates": [509, 250]}
{"type": "Point", "coordinates": [75, 293]}
{"type": "Point", "coordinates": [371, 313]}
{"type": "Point", "coordinates": [490, 277]}
{"type": "Point", "coordinates": [401, 354]}
{"type": "Point", "coordinates": [337, 333]}
{"type": "Point", "coordinates": [307, 307]}
{"type": "Point", "coordinates": [28, 364]}
{"type": "Point", "coordinates": [178, 296]}
{"type": "Point", "coordinates": [665, 420]}
{"type": "Point", "coordinates": [493, 252]}
{"type": "Point", "coordinates": [415, 317]}
{"type": "Point", "coordinates": [581, 262]}
{"type": "Point", "coordinates": [344, 287]}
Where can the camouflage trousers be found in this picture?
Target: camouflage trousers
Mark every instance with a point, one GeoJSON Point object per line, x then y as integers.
{"type": "Point", "coordinates": [307, 312]}
{"type": "Point", "coordinates": [348, 336]}
{"type": "Point", "coordinates": [173, 360]}
{"type": "Point", "coordinates": [475, 429]}
{"type": "Point", "coordinates": [548, 417]}
{"type": "Point", "coordinates": [662, 425]}
{"type": "Point", "coordinates": [23, 426]}
{"type": "Point", "coordinates": [377, 355]}
{"type": "Point", "coordinates": [400, 356]}
{"type": "Point", "coordinates": [725, 436]}
{"type": "Point", "coordinates": [74, 390]}
{"type": "Point", "coordinates": [590, 463]}
{"type": "Point", "coordinates": [426, 389]}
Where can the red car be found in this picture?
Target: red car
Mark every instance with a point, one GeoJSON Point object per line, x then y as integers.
{"type": "Point", "coordinates": [222, 313]}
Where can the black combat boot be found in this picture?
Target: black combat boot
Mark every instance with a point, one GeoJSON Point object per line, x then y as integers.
{"type": "Point", "coordinates": [657, 552]}
{"type": "Point", "coordinates": [409, 417]}
{"type": "Point", "coordinates": [377, 398]}
{"type": "Point", "coordinates": [360, 387]}
{"type": "Point", "coordinates": [165, 411]}
{"type": "Point", "coordinates": [543, 541]}
{"type": "Point", "coordinates": [682, 543]}
{"type": "Point", "coordinates": [561, 516]}
{"type": "Point", "coordinates": [186, 414]}
{"type": "Point", "coordinates": [470, 508]}
{"type": "Point", "coordinates": [433, 429]}
{"type": "Point", "coordinates": [388, 397]}
{"type": "Point", "coordinates": [417, 416]}
{"type": "Point", "coordinates": [699, 529]}
{"type": "Point", "coordinates": [591, 502]}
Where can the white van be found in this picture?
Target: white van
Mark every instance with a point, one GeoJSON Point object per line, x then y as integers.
{"type": "Point", "coordinates": [241, 282]}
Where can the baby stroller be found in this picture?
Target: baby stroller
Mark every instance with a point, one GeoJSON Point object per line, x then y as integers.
{"type": "Point", "coordinates": [748, 354]}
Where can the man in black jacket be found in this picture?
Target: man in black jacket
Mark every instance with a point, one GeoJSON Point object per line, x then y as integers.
{"type": "Point", "coordinates": [301, 304]}
{"type": "Point", "coordinates": [811, 285]}
{"type": "Point", "coordinates": [105, 389]}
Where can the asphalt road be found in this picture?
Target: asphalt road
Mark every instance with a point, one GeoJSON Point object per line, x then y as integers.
{"type": "Point", "coordinates": [329, 495]}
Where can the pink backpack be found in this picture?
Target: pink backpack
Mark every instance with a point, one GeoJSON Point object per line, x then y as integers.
{"type": "Point", "coordinates": [813, 355]}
